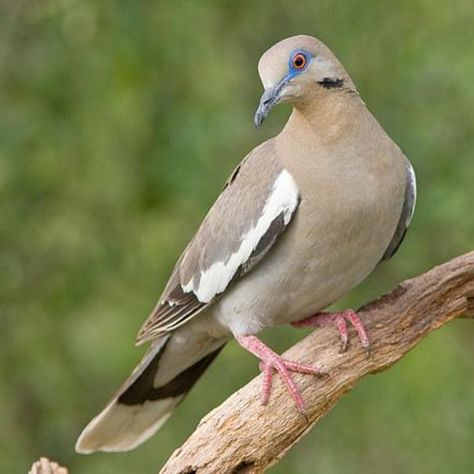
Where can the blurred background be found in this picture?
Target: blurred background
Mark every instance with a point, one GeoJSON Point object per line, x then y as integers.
{"type": "Point", "coordinates": [119, 123]}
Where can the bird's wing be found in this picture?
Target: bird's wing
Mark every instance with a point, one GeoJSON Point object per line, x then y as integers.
{"type": "Point", "coordinates": [255, 207]}
{"type": "Point", "coordinates": [407, 212]}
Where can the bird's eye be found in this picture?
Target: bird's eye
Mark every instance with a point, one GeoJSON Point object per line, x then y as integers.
{"type": "Point", "coordinates": [299, 61]}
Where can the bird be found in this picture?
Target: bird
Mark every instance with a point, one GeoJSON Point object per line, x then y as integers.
{"type": "Point", "coordinates": [303, 219]}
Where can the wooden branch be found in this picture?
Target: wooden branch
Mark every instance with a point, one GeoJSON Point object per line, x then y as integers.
{"type": "Point", "coordinates": [45, 466]}
{"type": "Point", "coordinates": [241, 436]}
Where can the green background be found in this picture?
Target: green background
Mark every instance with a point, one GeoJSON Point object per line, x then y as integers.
{"type": "Point", "coordinates": [119, 122]}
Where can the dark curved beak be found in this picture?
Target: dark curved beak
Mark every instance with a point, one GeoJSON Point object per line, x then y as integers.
{"type": "Point", "coordinates": [269, 99]}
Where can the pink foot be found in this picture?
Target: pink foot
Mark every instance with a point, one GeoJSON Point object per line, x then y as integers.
{"type": "Point", "coordinates": [340, 319]}
{"type": "Point", "coordinates": [272, 361]}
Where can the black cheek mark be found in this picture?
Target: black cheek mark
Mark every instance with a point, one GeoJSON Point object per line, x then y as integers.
{"type": "Point", "coordinates": [329, 83]}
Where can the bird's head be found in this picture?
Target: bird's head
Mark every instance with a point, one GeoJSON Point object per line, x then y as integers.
{"type": "Point", "coordinates": [297, 70]}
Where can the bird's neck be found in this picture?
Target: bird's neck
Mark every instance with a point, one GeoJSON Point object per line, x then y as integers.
{"type": "Point", "coordinates": [328, 117]}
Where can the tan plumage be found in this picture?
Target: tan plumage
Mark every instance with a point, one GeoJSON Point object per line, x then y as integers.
{"type": "Point", "coordinates": [305, 218]}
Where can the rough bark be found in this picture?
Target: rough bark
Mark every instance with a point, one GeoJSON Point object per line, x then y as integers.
{"type": "Point", "coordinates": [45, 466]}
{"type": "Point", "coordinates": [241, 436]}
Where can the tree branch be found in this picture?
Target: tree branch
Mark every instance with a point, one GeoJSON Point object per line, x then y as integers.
{"type": "Point", "coordinates": [45, 466]}
{"type": "Point", "coordinates": [241, 436]}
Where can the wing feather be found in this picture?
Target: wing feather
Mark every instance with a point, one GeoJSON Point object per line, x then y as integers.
{"type": "Point", "coordinates": [255, 207]}
{"type": "Point", "coordinates": [407, 212]}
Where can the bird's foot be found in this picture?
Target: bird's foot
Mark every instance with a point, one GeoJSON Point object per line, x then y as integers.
{"type": "Point", "coordinates": [340, 320]}
{"type": "Point", "coordinates": [271, 361]}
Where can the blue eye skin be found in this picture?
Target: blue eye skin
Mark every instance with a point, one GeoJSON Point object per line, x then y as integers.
{"type": "Point", "coordinates": [298, 62]}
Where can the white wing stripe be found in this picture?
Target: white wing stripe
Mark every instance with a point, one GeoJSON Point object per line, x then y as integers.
{"type": "Point", "coordinates": [411, 172]}
{"type": "Point", "coordinates": [214, 280]}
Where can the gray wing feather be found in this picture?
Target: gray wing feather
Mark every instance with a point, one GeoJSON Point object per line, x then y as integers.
{"type": "Point", "coordinates": [407, 212]}
{"type": "Point", "coordinates": [236, 234]}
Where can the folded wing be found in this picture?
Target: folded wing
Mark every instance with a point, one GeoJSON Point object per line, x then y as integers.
{"type": "Point", "coordinates": [407, 212]}
{"type": "Point", "coordinates": [255, 207]}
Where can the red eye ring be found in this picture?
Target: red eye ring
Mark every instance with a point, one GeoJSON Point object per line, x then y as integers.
{"type": "Point", "coordinates": [299, 61]}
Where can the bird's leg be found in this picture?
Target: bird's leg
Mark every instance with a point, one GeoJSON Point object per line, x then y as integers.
{"type": "Point", "coordinates": [270, 361]}
{"type": "Point", "coordinates": [340, 320]}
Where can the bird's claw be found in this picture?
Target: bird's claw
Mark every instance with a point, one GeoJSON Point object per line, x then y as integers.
{"type": "Point", "coordinates": [340, 320]}
{"type": "Point", "coordinates": [270, 361]}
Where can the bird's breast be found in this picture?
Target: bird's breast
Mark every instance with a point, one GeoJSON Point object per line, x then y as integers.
{"type": "Point", "coordinates": [347, 215]}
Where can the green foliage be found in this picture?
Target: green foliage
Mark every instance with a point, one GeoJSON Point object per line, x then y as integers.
{"type": "Point", "coordinates": [120, 121]}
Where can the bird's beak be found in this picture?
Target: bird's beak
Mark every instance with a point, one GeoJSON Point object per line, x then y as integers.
{"type": "Point", "coordinates": [269, 99]}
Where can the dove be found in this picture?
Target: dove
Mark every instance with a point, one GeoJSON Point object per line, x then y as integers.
{"type": "Point", "coordinates": [302, 220]}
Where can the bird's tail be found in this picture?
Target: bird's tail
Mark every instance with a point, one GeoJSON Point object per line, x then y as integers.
{"type": "Point", "coordinates": [148, 397]}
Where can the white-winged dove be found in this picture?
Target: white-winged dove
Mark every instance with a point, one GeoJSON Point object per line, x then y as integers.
{"type": "Point", "coordinates": [303, 219]}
